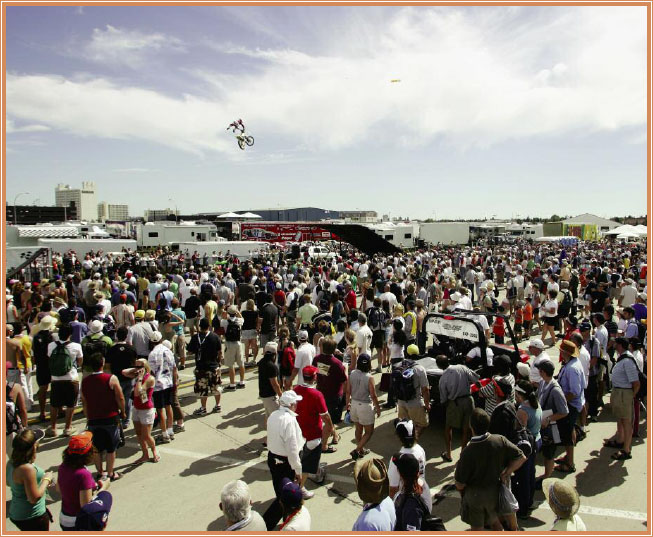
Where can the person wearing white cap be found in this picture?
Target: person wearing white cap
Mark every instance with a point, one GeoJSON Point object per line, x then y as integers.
{"type": "Point", "coordinates": [536, 350]}
{"type": "Point", "coordinates": [285, 441]}
{"type": "Point", "coordinates": [303, 357]}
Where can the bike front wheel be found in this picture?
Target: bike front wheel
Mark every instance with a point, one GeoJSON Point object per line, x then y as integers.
{"type": "Point", "coordinates": [241, 143]}
{"type": "Point", "coordinates": [249, 140]}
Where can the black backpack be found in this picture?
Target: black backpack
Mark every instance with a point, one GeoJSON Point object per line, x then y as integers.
{"type": "Point", "coordinates": [232, 333]}
{"type": "Point", "coordinates": [402, 381]}
{"type": "Point", "coordinates": [294, 301]}
{"type": "Point", "coordinates": [376, 319]}
{"type": "Point", "coordinates": [429, 522]}
{"type": "Point", "coordinates": [565, 306]}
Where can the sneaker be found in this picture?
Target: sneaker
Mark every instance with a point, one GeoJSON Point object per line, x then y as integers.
{"type": "Point", "coordinates": [69, 432]}
{"type": "Point", "coordinates": [320, 476]}
{"type": "Point", "coordinates": [201, 411]}
{"type": "Point", "coordinates": [181, 368]}
{"type": "Point", "coordinates": [354, 454]}
{"type": "Point", "coordinates": [229, 388]}
{"type": "Point", "coordinates": [125, 425]}
{"type": "Point", "coordinates": [389, 405]}
{"type": "Point", "coordinates": [171, 435]}
{"type": "Point", "coordinates": [216, 408]}
{"type": "Point", "coordinates": [179, 428]}
{"type": "Point", "coordinates": [163, 440]}
{"type": "Point", "coordinates": [307, 494]}
{"type": "Point", "coordinates": [51, 432]}
{"type": "Point", "coordinates": [240, 385]}
{"type": "Point", "coordinates": [378, 369]}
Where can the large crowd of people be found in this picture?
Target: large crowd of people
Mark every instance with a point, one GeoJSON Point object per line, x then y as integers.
{"type": "Point", "coordinates": [110, 333]}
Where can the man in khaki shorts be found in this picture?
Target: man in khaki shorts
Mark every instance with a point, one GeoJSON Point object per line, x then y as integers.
{"type": "Point", "coordinates": [269, 389]}
{"type": "Point", "coordinates": [232, 325]}
{"type": "Point", "coordinates": [416, 408]}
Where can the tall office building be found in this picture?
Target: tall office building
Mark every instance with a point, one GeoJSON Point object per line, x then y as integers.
{"type": "Point", "coordinates": [108, 211]}
{"type": "Point", "coordinates": [84, 198]}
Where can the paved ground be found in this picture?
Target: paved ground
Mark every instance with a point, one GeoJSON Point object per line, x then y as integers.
{"type": "Point", "coordinates": [181, 493]}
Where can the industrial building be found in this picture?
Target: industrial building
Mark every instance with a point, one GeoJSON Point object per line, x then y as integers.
{"type": "Point", "coordinates": [114, 212]}
{"type": "Point", "coordinates": [155, 215]}
{"type": "Point", "coordinates": [39, 214]}
{"type": "Point", "coordinates": [84, 199]}
{"type": "Point", "coordinates": [602, 224]}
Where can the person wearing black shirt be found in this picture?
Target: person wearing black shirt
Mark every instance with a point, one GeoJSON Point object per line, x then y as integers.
{"type": "Point", "coordinates": [121, 356]}
{"type": "Point", "coordinates": [599, 298]}
{"type": "Point", "coordinates": [267, 321]}
{"type": "Point", "coordinates": [269, 389]}
{"type": "Point", "coordinates": [208, 353]}
{"type": "Point", "coordinates": [192, 310]}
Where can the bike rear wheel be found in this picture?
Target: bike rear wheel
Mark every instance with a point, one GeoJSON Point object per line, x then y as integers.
{"type": "Point", "coordinates": [241, 143]}
{"type": "Point", "coordinates": [249, 140]}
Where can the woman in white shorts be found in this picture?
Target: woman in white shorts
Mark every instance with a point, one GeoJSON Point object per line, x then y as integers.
{"type": "Point", "coordinates": [143, 412]}
{"type": "Point", "coordinates": [362, 404]}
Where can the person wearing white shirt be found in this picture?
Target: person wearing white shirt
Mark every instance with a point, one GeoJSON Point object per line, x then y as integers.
{"type": "Point", "coordinates": [465, 302]}
{"type": "Point", "coordinates": [363, 335]}
{"type": "Point", "coordinates": [390, 297]}
{"type": "Point", "coordinates": [628, 293]}
{"type": "Point", "coordinates": [303, 357]}
{"type": "Point", "coordinates": [285, 441]}
{"type": "Point", "coordinates": [536, 350]}
{"type": "Point", "coordinates": [64, 389]}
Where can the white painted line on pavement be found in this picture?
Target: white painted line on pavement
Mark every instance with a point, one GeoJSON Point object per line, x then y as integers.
{"type": "Point", "coordinates": [445, 491]}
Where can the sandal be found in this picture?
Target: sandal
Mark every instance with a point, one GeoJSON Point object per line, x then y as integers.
{"type": "Point", "coordinates": [446, 457]}
{"type": "Point", "coordinates": [612, 443]}
{"type": "Point", "coordinates": [330, 449]}
{"type": "Point", "coordinates": [565, 468]}
{"type": "Point", "coordinates": [621, 455]}
{"type": "Point", "coordinates": [115, 476]}
{"type": "Point", "coordinates": [335, 441]}
{"type": "Point", "coordinates": [157, 458]}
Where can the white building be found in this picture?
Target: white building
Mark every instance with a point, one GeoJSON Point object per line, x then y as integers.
{"type": "Point", "coordinates": [109, 211]}
{"type": "Point", "coordinates": [444, 232]}
{"type": "Point", "coordinates": [84, 199]}
{"type": "Point", "coordinates": [602, 224]}
{"type": "Point", "coordinates": [164, 233]}
{"type": "Point", "coordinates": [152, 215]}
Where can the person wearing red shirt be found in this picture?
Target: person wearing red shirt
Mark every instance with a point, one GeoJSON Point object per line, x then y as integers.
{"type": "Point", "coordinates": [350, 297]}
{"type": "Point", "coordinates": [331, 380]}
{"type": "Point", "coordinates": [315, 423]}
{"type": "Point", "coordinates": [499, 327]}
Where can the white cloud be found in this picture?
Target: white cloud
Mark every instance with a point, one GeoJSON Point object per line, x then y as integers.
{"type": "Point", "coordinates": [133, 170]}
{"type": "Point", "coordinates": [468, 78]}
{"type": "Point", "coordinates": [131, 48]}
{"type": "Point", "coordinates": [12, 128]}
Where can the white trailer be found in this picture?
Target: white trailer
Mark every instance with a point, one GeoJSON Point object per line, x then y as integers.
{"type": "Point", "coordinates": [444, 232]}
{"type": "Point", "coordinates": [399, 235]}
{"type": "Point", "coordinates": [242, 249]}
{"type": "Point", "coordinates": [153, 234]}
{"type": "Point", "coordinates": [83, 246]}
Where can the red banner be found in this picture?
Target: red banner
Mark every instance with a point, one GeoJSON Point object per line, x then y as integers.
{"type": "Point", "coordinates": [283, 232]}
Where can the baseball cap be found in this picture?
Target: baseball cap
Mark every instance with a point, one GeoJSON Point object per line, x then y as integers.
{"type": "Point", "coordinates": [404, 428]}
{"type": "Point", "coordinates": [364, 359]}
{"type": "Point", "coordinates": [80, 443]}
{"type": "Point", "coordinates": [310, 372]}
{"type": "Point", "coordinates": [94, 515]}
{"type": "Point", "coordinates": [232, 310]}
{"type": "Point", "coordinates": [536, 343]}
{"type": "Point", "coordinates": [302, 335]}
{"type": "Point", "coordinates": [291, 493]}
{"type": "Point", "coordinates": [156, 337]}
{"type": "Point", "coordinates": [584, 326]}
{"type": "Point", "coordinates": [289, 397]}
{"type": "Point", "coordinates": [271, 346]}
{"type": "Point", "coordinates": [412, 350]}
{"type": "Point", "coordinates": [139, 314]}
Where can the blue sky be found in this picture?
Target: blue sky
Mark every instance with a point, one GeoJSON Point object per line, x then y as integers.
{"type": "Point", "coordinates": [498, 111]}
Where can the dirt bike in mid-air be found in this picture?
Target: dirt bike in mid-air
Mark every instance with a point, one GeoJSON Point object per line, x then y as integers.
{"type": "Point", "coordinates": [238, 129]}
{"type": "Point", "coordinates": [244, 139]}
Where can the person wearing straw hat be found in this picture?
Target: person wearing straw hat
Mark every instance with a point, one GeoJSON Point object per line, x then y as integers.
{"type": "Point", "coordinates": [572, 381]}
{"type": "Point", "coordinates": [373, 485]}
{"type": "Point", "coordinates": [564, 502]}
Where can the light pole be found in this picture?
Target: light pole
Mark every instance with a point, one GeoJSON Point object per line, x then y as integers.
{"type": "Point", "coordinates": [15, 210]}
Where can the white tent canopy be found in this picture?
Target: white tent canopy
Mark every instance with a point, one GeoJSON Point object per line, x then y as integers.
{"type": "Point", "coordinates": [229, 215]}
{"type": "Point", "coordinates": [249, 215]}
{"type": "Point", "coordinates": [626, 228]}
{"type": "Point", "coordinates": [628, 235]}
{"type": "Point", "coordinates": [642, 228]}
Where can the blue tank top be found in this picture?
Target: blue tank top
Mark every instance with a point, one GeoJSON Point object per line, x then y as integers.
{"type": "Point", "coordinates": [534, 422]}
